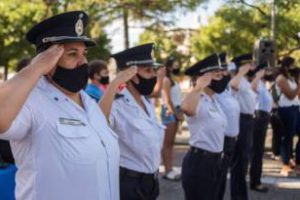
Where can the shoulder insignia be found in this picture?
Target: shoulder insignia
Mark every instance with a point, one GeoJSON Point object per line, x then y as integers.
{"type": "Point", "coordinates": [118, 96]}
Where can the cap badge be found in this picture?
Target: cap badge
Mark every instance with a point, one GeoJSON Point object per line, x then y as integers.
{"type": "Point", "coordinates": [79, 26]}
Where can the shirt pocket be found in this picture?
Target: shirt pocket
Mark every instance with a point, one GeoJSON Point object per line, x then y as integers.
{"type": "Point", "coordinates": [76, 144]}
{"type": "Point", "coordinates": [149, 133]}
{"type": "Point", "coordinates": [142, 125]}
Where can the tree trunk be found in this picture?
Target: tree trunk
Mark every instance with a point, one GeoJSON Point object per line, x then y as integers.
{"type": "Point", "coordinates": [273, 21]}
{"type": "Point", "coordinates": [126, 28]}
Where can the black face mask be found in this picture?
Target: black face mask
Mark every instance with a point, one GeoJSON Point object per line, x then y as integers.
{"type": "Point", "coordinates": [104, 80]}
{"type": "Point", "coordinates": [146, 86]}
{"type": "Point", "coordinates": [72, 80]}
{"type": "Point", "coordinates": [251, 73]}
{"type": "Point", "coordinates": [176, 71]}
{"type": "Point", "coordinates": [219, 86]}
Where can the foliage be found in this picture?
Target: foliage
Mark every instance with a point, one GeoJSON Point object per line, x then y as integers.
{"type": "Point", "coordinates": [235, 27]}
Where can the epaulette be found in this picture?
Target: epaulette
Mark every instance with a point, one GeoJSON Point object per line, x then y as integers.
{"type": "Point", "coordinates": [148, 99]}
{"type": "Point", "coordinates": [118, 96]}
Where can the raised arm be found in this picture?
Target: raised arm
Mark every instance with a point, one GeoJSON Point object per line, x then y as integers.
{"type": "Point", "coordinates": [255, 81]}
{"type": "Point", "coordinates": [161, 72]}
{"type": "Point", "coordinates": [192, 99]}
{"type": "Point", "coordinates": [14, 92]}
{"type": "Point", "coordinates": [235, 81]}
{"type": "Point", "coordinates": [112, 89]}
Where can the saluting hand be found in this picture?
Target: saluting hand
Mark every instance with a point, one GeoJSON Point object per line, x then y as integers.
{"type": "Point", "coordinates": [48, 59]}
{"type": "Point", "coordinates": [243, 70]}
{"type": "Point", "coordinates": [203, 81]}
{"type": "Point", "coordinates": [125, 75]}
{"type": "Point", "coordinates": [260, 73]}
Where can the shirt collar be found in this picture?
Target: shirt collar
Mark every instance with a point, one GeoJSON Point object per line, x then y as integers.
{"type": "Point", "coordinates": [208, 98]}
{"type": "Point", "coordinates": [128, 97]}
{"type": "Point", "coordinates": [57, 95]}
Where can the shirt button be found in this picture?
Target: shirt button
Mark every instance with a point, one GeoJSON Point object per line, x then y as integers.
{"type": "Point", "coordinates": [55, 98]}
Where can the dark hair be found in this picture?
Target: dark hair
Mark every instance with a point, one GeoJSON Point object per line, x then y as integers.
{"type": "Point", "coordinates": [22, 63]}
{"type": "Point", "coordinates": [169, 64]}
{"type": "Point", "coordinates": [285, 64]}
{"type": "Point", "coordinates": [95, 66]}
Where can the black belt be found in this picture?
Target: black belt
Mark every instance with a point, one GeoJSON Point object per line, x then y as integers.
{"type": "Point", "coordinates": [139, 175]}
{"type": "Point", "coordinates": [246, 116]}
{"type": "Point", "coordinates": [203, 152]}
{"type": "Point", "coordinates": [231, 138]}
{"type": "Point", "coordinates": [262, 114]}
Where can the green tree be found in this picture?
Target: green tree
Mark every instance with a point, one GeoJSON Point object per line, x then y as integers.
{"type": "Point", "coordinates": [168, 43]}
{"type": "Point", "coordinates": [235, 27]}
{"type": "Point", "coordinates": [17, 17]}
{"type": "Point", "coordinates": [147, 11]}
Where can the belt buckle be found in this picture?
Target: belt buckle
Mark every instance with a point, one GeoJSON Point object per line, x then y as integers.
{"type": "Point", "coordinates": [222, 155]}
{"type": "Point", "coordinates": [155, 175]}
{"type": "Point", "coordinates": [194, 150]}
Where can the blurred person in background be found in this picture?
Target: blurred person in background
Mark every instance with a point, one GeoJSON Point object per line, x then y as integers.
{"type": "Point", "coordinates": [99, 79]}
{"type": "Point", "coordinates": [171, 116]}
{"type": "Point", "coordinates": [288, 109]}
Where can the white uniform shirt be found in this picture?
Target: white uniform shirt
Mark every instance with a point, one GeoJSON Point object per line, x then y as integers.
{"type": "Point", "coordinates": [264, 98]}
{"type": "Point", "coordinates": [62, 151]}
{"type": "Point", "coordinates": [231, 109]}
{"type": "Point", "coordinates": [207, 127]}
{"type": "Point", "coordinates": [283, 100]}
{"type": "Point", "coordinates": [246, 97]}
{"type": "Point", "coordinates": [140, 135]}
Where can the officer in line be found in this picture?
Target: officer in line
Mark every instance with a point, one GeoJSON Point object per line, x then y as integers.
{"type": "Point", "coordinates": [247, 99]}
{"type": "Point", "coordinates": [61, 141]}
{"type": "Point", "coordinates": [133, 118]}
{"type": "Point", "coordinates": [207, 124]}
{"type": "Point", "coordinates": [231, 108]}
{"type": "Point", "coordinates": [262, 118]}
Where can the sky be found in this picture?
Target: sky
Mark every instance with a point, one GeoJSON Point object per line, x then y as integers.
{"type": "Point", "coordinates": [194, 19]}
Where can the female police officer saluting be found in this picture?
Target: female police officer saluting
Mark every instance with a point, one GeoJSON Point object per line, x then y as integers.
{"type": "Point", "coordinates": [207, 124]}
{"type": "Point", "coordinates": [62, 144]}
{"type": "Point", "coordinates": [140, 134]}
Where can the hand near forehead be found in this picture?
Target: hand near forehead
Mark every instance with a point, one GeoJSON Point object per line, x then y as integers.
{"type": "Point", "coordinates": [203, 81]}
{"type": "Point", "coordinates": [47, 60]}
{"type": "Point", "coordinates": [260, 73]}
{"type": "Point", "coordinates": [243, 70]}
{"type": "Point", "coordinates": [125, 75]}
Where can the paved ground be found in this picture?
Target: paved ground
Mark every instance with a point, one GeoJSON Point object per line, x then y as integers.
{"type": "Point", "coordinates": [281, 188]}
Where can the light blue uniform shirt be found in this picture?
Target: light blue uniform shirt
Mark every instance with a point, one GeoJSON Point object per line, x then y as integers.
{"type": "Point", "coordinates": [264, 98]}
{"type": "Point", "coordinates": [63, 151]}
{"type": "Point", "coordinates": [246, 97]}
{"type": "Point", "coordinates": [207, 127]}
{"type": "Point", "coordinates": [140, 134]}
{"type": "Point", "coordinates": [231, 109]}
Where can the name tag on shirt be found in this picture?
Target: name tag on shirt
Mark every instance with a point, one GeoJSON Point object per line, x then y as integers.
{"type": "Point", "coordinates": [72, 122]}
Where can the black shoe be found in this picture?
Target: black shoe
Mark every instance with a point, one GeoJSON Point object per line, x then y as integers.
{"type": "Point", "coordinates": [260, 188]}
